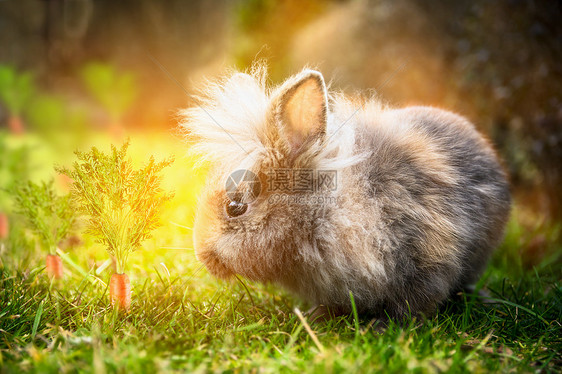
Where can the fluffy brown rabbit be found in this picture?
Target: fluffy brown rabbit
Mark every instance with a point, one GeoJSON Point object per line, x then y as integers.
{"type": "Point", "coordinates": [401, 207]}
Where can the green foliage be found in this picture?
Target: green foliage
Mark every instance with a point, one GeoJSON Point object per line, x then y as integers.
{"type": "Point", "coordinates": [52, 117]}
{"type": "Point", "coordinates": [123, 204]}
{"type": "Point", "coordinates": [14, 168]}
{"type": "Point", "coordinates": [194, 324]}
{"type": "Point", "coordinates": [113, 89]}
{"type": "Point", "coordinates": [534, 245]}
{"type": "Point", "coordinates": [49, 215]}
{"type": "Point", "coordinates": [15, 89]}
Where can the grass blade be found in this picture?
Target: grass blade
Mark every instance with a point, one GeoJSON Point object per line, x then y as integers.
{"type": "Point", "coordinates": [309, 330]}
{"type": "Point", "coordinates": [90, 277]}
{"type": "Point", "coordinates": [37, 320]}
{"type": "Point", "coordinates": [507, 302]}
{"type": "Point", "coordinates": [355, 314]}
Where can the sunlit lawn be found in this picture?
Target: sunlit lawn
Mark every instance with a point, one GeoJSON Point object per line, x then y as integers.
{"type": "Point", "coordinates": [181, 319]}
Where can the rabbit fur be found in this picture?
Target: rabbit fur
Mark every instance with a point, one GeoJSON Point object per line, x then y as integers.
{"type": "Point", "coordinates": [421, 199]}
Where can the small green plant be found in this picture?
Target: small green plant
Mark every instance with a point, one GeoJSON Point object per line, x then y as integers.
{"type": "Point", "coordinates": [123, 204]}
{"type": "Point", "coordinates": [56, 120]}
{"type": "Point", "coordinates": [114, 90]}
{"type": "Point", "coordinates": [49, 215]}
{"type": "Point", "coordinates": [14, 168]}
{"type": "Point", "coordinates": [16, 89]}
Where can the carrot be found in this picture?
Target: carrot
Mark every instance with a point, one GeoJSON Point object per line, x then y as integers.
{"type": "Point", "coordinates": [64, 181]}
{"type": "Point", "coordinates": [120, 290]}
{"type": "Point", "coordinates": [54, 266]}
{"type": "Point", "coordinates": [4, 227]}
{"type": "Point", "coordinates": [116, 130]}
{"type": "Point", "coordinates": [16, 124]}
{"type": "Point", "coordinates": [140, 201]}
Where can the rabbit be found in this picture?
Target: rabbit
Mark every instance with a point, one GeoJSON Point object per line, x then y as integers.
{"type": "Point", "coordinates": [420, 202]}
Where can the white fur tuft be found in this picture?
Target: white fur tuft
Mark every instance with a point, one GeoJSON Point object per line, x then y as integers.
{"type": "Point", "coordinates": [229, 122]}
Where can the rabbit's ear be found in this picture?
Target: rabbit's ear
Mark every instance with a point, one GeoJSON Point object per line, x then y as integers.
{"type": "Point", "coordinates": [301, 109]}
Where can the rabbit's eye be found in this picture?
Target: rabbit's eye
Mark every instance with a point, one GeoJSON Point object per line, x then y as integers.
{"type": "Point", "coordinates": [236, 208]}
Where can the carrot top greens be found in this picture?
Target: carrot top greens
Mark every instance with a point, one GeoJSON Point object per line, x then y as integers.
{"type": "Point", "coordinates": [123, 204]}
{"type": "Point", "coordinates": [49, 215]}
{"type": "Point", "coordinates": [15, 89]}
{"type": "Point", "coordinates": [14, 167]}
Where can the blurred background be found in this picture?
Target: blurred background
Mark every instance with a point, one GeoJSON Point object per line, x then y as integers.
{"type": "Point", "coordinates": [74, 73]}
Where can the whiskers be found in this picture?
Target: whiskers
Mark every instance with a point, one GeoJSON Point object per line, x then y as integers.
{"type": "Point", "coordinates": [184, 283]}
{"type": "Point", "coordinates": [182, 226]}
{"type": "Point", "coordinates": [179, 247]}
{"type": "Point", "coordinates": [187, 248]}
{"type": "Point", "coordinates": [199, 268]}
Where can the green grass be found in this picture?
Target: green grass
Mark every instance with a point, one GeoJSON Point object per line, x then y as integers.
{"type": "Point", "coordinates": [182, 319]}
{"type": "Point", "coordinates": [191, 322]}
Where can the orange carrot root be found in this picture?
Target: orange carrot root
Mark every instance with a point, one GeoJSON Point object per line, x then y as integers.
{"type": "Point", "coordinates": [65, 181]}
{"type": "Point", "coordinates": [54, 266]}
{"type": "Point", "coordinates": [4, 227]}
{"type": "Point", "coordinates": [120, 290]}
{"type": "Point", "coordinates": [15, 124]}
